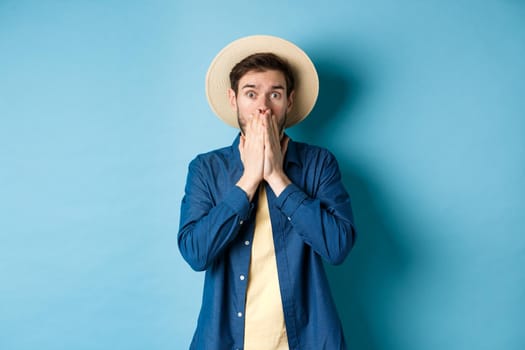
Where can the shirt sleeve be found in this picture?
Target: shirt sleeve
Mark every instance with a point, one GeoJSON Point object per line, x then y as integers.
{"type": "Point", "coordinates": [206, 228]}
{"type": "Point", "coordinates": [324, 220]}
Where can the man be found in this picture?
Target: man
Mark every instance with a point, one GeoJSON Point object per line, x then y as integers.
{"type": "Point", "coordinates": [260, 215]}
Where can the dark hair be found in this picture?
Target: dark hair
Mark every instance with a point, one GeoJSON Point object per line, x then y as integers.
{"type": "Point", "coordinates": [261, 62]}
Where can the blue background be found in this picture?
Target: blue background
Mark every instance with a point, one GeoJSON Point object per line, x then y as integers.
{"type": "Point", "coordinates": [102, 106]}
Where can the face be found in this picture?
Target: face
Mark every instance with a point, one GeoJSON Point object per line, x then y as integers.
{"type": "Point", "coordinates": [259, 92]}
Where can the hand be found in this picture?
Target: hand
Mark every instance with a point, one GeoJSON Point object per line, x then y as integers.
{"type": "Point", "coordinates": [251, 148]}
{"type": "Point", "coordinates": [274, 150]}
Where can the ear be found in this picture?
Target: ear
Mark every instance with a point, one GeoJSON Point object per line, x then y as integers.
{"type": "Point", "coordinates": [290, 101]}
{"type": "Point", "coordinates": [233, 99]}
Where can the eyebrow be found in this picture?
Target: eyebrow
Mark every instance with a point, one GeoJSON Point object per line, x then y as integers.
{"type": "Point", "coordinates": [253, 86]}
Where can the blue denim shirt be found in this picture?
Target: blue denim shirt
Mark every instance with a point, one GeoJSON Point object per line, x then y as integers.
{"type": "Point", "coordinates": [311, 220]}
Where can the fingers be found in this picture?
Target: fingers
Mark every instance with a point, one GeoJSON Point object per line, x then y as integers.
{"type": "Point", "coordinates": [264, 127]}
{"type": "Point", "coordinates": [272, 131]}
{"type": "Point", "coordinates": [255, 124]}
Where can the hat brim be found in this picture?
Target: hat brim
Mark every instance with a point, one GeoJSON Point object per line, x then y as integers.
{"type": "Point", "coordinates": [218, 76]}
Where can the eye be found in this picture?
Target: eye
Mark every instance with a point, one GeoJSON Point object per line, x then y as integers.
{"type": "Point", "coordinates": [276, 95]}
{"type": "Point", "coordinates": [250, 94]}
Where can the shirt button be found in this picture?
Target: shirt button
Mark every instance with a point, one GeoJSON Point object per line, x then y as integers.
{"type": "Point", "coordinates": [241, 222]}
{"type": "Point", "coordinates": [289, 219]}
{"type": "Point", "coordinates": [239, 314]}
{"type": "Point", "coordinates": [246, 242]}
{"type": "Point", "coordinates": [242, 277]}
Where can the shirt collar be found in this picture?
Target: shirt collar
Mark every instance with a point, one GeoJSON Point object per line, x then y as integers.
{"type": "Point", "coordinates": [292, 155]}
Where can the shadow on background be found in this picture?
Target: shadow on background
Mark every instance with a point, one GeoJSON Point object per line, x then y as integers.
{"type": "Point", "coordinates": [363, 285]}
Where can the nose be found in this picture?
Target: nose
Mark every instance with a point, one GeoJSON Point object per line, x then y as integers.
{"type": "Point", "coordinates": [263, 105]}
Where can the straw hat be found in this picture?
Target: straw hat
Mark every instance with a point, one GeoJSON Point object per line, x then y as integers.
{"type": "Point", "coordinates": [218, 76]}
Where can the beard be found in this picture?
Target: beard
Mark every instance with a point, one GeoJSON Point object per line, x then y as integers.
{"type": "Point", "coordinates": [281, 125]}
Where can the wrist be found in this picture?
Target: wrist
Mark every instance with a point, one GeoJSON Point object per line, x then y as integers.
{"type": "Point", "coordinates": [278, 182]}
{"type": "Point", "coordinates": [248, 186]}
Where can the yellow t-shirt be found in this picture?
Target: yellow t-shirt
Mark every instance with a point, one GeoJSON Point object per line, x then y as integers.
{"type": "Point", "coordinates": [264, 323]}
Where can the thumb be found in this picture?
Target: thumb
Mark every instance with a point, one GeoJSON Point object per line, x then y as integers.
{"type": "Point", "coordinates": [241, 145]}
{"type": "Point", "coordinates": [284, 144]}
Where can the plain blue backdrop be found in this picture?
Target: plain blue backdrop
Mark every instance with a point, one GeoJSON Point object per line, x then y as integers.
{"type": "Point", "coordinates": [102, 106]}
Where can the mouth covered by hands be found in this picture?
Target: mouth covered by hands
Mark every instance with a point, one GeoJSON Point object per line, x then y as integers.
{"type": "Point", "coordinates": [262, 148]}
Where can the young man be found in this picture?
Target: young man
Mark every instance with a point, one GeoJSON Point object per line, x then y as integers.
{"type": "Point", "coordinates": [260, 215]}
